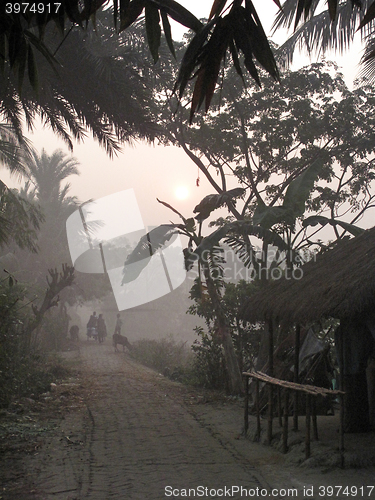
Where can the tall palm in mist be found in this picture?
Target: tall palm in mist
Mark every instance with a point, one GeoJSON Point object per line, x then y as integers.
{"type": "Point", "coordinates": [19, 220]}
{"type": "Point", "coordinates": [46, 173]}
{"type": "Point", "coordinates": [45, 189]}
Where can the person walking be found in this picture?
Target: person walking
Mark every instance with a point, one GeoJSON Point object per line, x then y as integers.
{"type": "Point", "coordinates": [92, 326]}
{"type": "Point", "coordinates": [102, 329]}
{"type": "Point", "coordinates": [118, 325]}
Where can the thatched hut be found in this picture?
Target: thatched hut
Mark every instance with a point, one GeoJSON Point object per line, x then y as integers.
{"type": "Point", "coordinates": [339, 283]}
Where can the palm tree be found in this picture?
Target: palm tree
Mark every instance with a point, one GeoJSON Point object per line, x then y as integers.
{"type": "Point", "coordinates": [86, 89]}
{"type": "Point", "coordinates": [45, 191]}
{"type": "Point", "coordinates": [46, 173]}
{"type": "Point", "coordinates": [331, 29]}
{"type": "Point", "coordinates": [19, 220]}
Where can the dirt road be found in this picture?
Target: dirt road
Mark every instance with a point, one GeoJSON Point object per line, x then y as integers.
{"type": "Point", "coordinates": [118, 430]}
{"type": "Point", "coordinates": [137, 441]}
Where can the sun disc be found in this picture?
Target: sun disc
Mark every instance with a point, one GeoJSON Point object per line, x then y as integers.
{"type": "Point", "coordinates": [182, 192]}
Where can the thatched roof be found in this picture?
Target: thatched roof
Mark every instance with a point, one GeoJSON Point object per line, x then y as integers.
{"type": "Point", "coordinates": [340, 283]}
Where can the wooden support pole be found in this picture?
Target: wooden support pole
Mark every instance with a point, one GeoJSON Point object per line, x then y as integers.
{"type": "Point", "coordinates": [246, 413]}
{"type": "Point", "coordinates": [342, 403]}
{"type": "Point", "coordinates": [341, 431]}
{"type": "Point", "coordinates": [285, 426]}
{"type": "Point", "coordinates": [296, 374]}
{"type": "Point", "coordinates": [279, 406]}
{"type": "Point", "coordinates": [307, 436]}
{"type": "Point", "coordinates": [271, 374]}
{"type": "Point", "coordinates": [257, 405]}
{"type": "Point", "coordinates": [314, 419]}
{"type": "Point", "coordinates": [270, 348]}
{"type": "Point", "coordinates": [270, 414]}
{"type": "Point", "coordinates": [309, 391]}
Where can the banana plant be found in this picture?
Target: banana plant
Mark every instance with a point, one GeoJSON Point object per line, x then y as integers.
{"type": "Point", "coordinates": [292, 207]}
{"type": "Point", "coordinates": [323, 221]}
{"type": "Point", "coordinates": [203, 251]}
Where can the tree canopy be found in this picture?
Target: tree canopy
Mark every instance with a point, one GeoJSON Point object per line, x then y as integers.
{"type": "Point", "coordinates": [232, 29]}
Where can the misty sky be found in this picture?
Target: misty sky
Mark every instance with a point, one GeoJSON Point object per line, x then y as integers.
{"type": "Point", "coordinates": [154, 171]}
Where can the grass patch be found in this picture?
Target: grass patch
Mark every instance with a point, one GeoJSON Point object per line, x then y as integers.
{"type": "Point", "coordinates": [167, 356]}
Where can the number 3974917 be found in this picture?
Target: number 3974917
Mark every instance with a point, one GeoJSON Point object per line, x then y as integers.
{"type": "Point", "coordinates": [32, 7]}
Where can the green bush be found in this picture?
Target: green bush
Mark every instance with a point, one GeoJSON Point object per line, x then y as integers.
{"type": "Point", "coordinates": [172, 359]}
{"type": "Point", "coordinates": [24, 369]}
{"type": "Point", "coordinates": [209, 368]}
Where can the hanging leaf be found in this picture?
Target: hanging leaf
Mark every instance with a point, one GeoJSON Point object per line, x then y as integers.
{"type": "Point", "coordinates": [238, 228]}
{"type": "Point", "coordinates": [179, 14]}
{"type": "Point", "coordinates": [278, 4]}
{"type": "Point", "coordinates": [217, 8]}
{"type": "Point", "coordinates": [323, 221]}
{"type": "Point", "coordinates": [236, 61]}
{"type": "Point", "coordinates": [369, 16]}
{"type": "Point", "coordinates": [302, 7]}
{"type": "Point", "coordinates": [167, 32]}
{"type": "Point", "coordinates": [332, 9]}
{"type": "Point", "coordinates": [191, 57]}
{"type": "Point", "coordinates": [267, 216]}
{"type": "Point", "coordinates": [146, 247]}
{"type": "Point", "coordinates": [173, 209]}
{"type": "Point", "coordinates": [131, 14]}
{"type": "Point", "coordinates": [213, 201]}
{"type": "Point", "coordinates": [21, 63]}
{"type": "Point", "coordinates": [243, 43]}
{"type": "Point", "coordinates": [124, 4]}
{"type": "Point", "coordinates": [32, 69]}
{"type": "Point", "coordinates": [259, 41]}
{"type": "Point", "coordinates": [213, 54]}
{"type": "Point", "coordinates": [153, 29]}
{"type": "Point", "coordinates": [299, 189]}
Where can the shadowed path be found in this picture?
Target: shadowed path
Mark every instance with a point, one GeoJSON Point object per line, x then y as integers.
{"type": "Point", "coordinates": [136, 439]}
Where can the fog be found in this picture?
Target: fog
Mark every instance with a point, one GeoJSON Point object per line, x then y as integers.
{"type": "Point", "coordinates": [152, 171]}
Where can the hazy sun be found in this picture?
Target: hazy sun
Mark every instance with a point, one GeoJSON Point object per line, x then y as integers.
{"type": "Point", "coordinates": [181, 192]}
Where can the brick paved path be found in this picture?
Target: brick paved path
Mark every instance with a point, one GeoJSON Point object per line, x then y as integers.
{"type": "Point", "coordinates": [136, 439]}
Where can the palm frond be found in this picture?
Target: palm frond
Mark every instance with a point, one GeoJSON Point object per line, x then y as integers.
{"type": "Point", "coordinates": [319, 34]}
{"type": "Point", "coordinates": [367, 71]}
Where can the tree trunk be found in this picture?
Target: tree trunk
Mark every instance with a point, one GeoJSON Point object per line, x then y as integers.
{"type": "Point", "coordinates": [231, 361]}
{"type": "Point", "coordinates": [234, 373]}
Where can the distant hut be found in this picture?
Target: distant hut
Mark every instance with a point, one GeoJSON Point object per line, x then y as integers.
{"type": "Point", "coordinates": [340, 284]}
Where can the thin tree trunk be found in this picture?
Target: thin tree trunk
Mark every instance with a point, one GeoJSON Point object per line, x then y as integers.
{"type": "Point", "coordinates": [234, 373]}
{"type": "Point", "coordinates": [231, 361]}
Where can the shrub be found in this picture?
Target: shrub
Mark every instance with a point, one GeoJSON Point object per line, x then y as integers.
{"type": "Point", "coordinates": [171, 358]}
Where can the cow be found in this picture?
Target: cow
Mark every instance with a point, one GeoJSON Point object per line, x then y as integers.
{"type": "Point", "coordinates": [74, 330]}
{"type": "Point", "coordinates": [120, 339]}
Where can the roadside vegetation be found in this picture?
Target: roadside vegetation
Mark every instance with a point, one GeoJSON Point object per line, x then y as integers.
{"type": "Point", "coordinates": [301, 157]}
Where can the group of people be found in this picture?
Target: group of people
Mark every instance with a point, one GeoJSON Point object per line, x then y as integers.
{"type": "Point", "coordinates": [97, 329]}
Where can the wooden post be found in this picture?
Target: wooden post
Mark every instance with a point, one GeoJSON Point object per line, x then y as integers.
{"type": "Point", "coordinates": [279, 407]}
{"type": "Point", "coordinates": [270, 414]}
{"type": "Point", "coordinates": [341, 431]}
{"type": "Point", "coordinates": [270, 348]}
{"type": "Point", "coordinates": [257, 405]}
{"type": "Point", "coordinates": [296, 374]}
{"type": "Point", "coordinates": [307, 436]}
{"type": "Point", "coordinates": [342, 402]}
{"type": "Point", "coordinates": [246, 415]}
{"type": "Point", "coordinates": [314, 419]}
{"type": "Point", "coordinates": [271, 374]}
{"type": "Point", "coordinates": [285, 426]}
